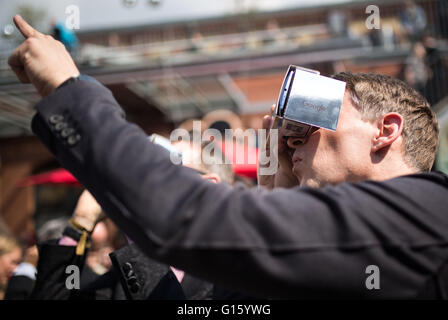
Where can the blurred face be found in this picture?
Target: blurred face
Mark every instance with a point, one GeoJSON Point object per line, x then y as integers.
{"type": "Point", "coordinates": [191, 155]}
{"type": "Point", "coordinates": [99, 236]}
{"type": "Point", "coordinates": [329, 157]}
{"type": "Point", "coordinates": [8, 263]}
{"type": "Point", "coordinates": [419, 50]}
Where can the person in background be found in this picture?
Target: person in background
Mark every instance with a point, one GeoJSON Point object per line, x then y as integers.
{"type": "Point", "coordinates": [66, 36]}
{"type": "Point", "coordinates": [413, 20]}
{"type": "Point", "coordinates": [21, 283]}
{"type": "Point", "coordinates": [437, 86]}
{"type": "Point", "coordinates": [417, 72]}
{"type": "Point", "coordinates": [23, 280]}
{"type": "Point", "coordinates": [442, 17]}
{"type": "Point", "coordinates": [10, 257]}
{"type": "Point", "coordinates": [98, 256]}
{"type": "Point", "coordinates": [337, 21]}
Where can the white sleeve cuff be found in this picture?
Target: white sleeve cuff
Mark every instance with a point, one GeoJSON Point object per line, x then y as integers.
{"type": "Point", "coordinates": [26, 269]}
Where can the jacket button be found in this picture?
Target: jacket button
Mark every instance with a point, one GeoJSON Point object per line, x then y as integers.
{"type": "Point", "coordinates": [127, 267]}
{"type": "Point", "coordinates": [60, 125]}
{"type": "Point", "coordinates": [135, 288]}
{"type": "Point", "coordinates": [132, 280]}
{"type": "Point", "coordinates": [56, 118]}
{"type": "Point", "coordinates": [66, 132]}
{"type": "Point", "coordinates": [73, 139]}
{"type": "Point", "coordinates": [129, 274]}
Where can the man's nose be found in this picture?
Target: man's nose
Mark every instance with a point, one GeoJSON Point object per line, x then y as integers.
{"type": "Point", "coordinates": [294, 142]}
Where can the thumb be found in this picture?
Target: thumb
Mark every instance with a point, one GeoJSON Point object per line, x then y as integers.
{"type": "Point", "coordinates": [267, 122]}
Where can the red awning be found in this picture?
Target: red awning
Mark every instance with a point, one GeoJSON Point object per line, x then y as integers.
{"type": "Point", "coordinates": [58, 176]}
{"type": "Point", "coordinates": [243, 157]}
{"type": "Point", "coordinates": [244, 161]}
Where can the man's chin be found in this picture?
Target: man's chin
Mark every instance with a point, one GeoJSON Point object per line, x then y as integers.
{"type": "Point", "coordinates": [311, 183]}
{"type": "Point", "coordinates": [305, 181]}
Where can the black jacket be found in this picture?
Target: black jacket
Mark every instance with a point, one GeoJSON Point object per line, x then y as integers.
{"type": "Point", "coordinates": [133, 276]}
{"type": "Point", "coordinates": [19, 288]}
{"type": "Point", "coordinates": [296, 243]}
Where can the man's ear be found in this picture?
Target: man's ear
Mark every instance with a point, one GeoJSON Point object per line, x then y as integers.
{"type": "Point", "coordinates": [390, 127]}
{"type": "Point", "coordinates": [213, 177]}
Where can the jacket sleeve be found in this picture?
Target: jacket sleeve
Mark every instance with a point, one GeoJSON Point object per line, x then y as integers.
{"type": "Point", "coordinates": [19, 288]}
{"type": "Point", "coordinates": [282, 243]}
{"type": "Point", "coordinates": [139, 275]}
{"type": "Point", "coordinates": [52, 272]}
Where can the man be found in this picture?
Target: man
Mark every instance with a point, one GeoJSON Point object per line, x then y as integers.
{"type": "Point", "coordinates": [317, 240]}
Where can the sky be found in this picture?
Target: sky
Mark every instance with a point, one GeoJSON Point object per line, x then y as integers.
{"type": "Point", "coordinates": [97, 14]}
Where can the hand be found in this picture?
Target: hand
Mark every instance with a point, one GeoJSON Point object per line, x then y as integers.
{"type": "Point", "coordinates": [41, 60]}
{"type": "Point", "coordinates": [31, 255]}
{"type": "Point", "coordinates": [284, 176]}
{"type": "Point", "coordinates": [87, 212]}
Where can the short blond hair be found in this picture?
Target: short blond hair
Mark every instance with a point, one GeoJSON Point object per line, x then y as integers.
{"type": "Point", "coordinates": [375, 95]}
{"type": "Point", "coordinates": [7, 243]}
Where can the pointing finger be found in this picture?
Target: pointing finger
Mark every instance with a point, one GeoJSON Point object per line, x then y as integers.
{"type": "Point", "coordinates": [23, 26]}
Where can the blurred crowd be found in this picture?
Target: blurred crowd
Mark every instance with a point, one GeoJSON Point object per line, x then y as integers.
{"type": "Point", "coordinates": [20, 263]}
{"type": "Point", "coordinates": [425, 67]}
{"type": "Point", "coordinates": [39, 271]}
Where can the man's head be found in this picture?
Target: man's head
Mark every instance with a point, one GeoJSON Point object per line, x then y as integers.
{"type": "Point", "coordinates": [385, 129]}
{"type": "Point", "coordinates": [213, 164]}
